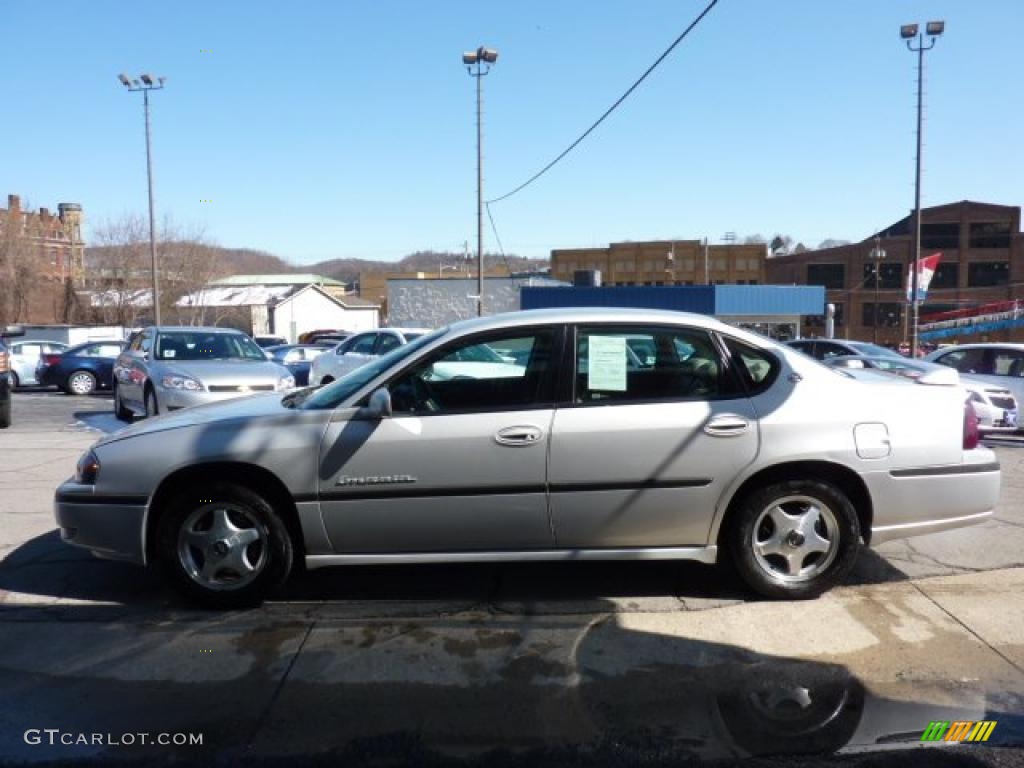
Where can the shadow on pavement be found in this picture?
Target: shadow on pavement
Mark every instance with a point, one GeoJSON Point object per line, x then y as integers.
{"type": "Point", "coordinates": [473, 690]}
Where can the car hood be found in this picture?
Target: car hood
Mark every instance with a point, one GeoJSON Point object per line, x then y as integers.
{"type": "Point", "coordinates": [253, 406]}
{"type": "Point", "coordinates": [220, 372]}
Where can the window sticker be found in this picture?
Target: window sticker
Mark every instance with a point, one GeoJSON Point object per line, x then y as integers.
{"type": "Point", "coordinates": [170, 352]}
{"type": "Point", "coordinates": [606, 369]}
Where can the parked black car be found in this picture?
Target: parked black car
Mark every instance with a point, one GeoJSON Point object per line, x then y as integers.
{"type": "Point", "coordinates": [83, 369]}
{"type": "Point", "coordinates": [297, 358]}
{"type": "Point", "coordinates": [5, 378]}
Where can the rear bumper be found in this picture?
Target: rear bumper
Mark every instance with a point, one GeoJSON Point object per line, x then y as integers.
{"type": "Point", "coordinates": [911, 502]}
{"type": "Point", "coordinates": [111, 527]}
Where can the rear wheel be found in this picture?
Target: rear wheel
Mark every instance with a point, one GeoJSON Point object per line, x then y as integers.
{"type": "Point", "coordinates": [326, 380]}
{"type": "Point", "coordinates": [223, 546]}
{"type": "Point", "coordinates": [15, 381]}
{"type": "Point", "coordinates": [794, 539]}
{"type": "Point", "coordinates": [5, 414]}
{"type": "Point", "coordinates": [81, 383]}
{"type": "Point", "coordinates": [120, 412]}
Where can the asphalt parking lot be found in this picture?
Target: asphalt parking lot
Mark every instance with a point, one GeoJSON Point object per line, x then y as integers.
{"type": "Point", "coordinates": [631, 663]}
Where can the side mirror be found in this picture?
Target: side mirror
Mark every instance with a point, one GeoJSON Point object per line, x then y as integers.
{"type": "Point", "coordinates": [13, 330]}
{"type": "Point", "coordinates": [378, 406]}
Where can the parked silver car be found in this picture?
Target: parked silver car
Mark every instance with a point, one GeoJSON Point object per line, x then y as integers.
{"type": "Point", "coordinates": [722, 441]}
{"type": "Point", "coordinates": [167, 368]}
{"type": "Point", "coordinates": [25, 358]}
{"type": "Point", "coordinates": [999, 364]}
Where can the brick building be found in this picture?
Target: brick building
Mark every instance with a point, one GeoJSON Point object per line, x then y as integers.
{"type": "Point", "coordinates": [982, 262]}
{"type": "Point", "coordinates": [665, 262]}
{"type": "Point", "coordinates": [42, 253]}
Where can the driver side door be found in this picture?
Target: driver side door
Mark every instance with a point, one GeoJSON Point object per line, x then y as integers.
{"type": "Point", "coordinates": [461, 464]}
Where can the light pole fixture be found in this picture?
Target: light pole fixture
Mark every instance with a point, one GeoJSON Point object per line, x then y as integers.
{"type": "Point", "coordinates": [147, 83]}
{"type": "Point", "coordinates": [877, 255]}
{"type": "Point", "coordinates": [911, 34]}
{"type": "Point", "coordinates": [478, 64]}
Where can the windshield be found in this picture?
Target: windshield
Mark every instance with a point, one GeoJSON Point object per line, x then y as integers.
{"type": "Point", "coordinates": [873, 350]}
{"type": "Point", "coordinates": [204, 345]}
{"type": "Point", "coordinates": [335, 393]}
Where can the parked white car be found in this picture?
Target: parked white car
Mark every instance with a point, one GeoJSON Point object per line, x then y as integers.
{"type": "Point", "coordinates": [25, 357]}
{"type": "Point", "coordinates": [999, 364]}
{"type": "Point", "coordinates": [995, 406]}
{"type": "Point", "coordinates": [357, 351]}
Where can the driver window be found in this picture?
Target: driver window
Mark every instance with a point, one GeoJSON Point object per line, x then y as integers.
{"type": "Point", "coordinates": [483, 374]}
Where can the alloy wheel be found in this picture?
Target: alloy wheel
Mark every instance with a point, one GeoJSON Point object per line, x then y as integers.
{"type": "Point", "coordinates": [81, 383]}
{"type": "Point", "coordinates": [795, 538]}
{"type": "Point", "coordinates": [222, 547]}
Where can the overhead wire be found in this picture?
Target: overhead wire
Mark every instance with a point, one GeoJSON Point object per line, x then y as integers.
{"type": "Point", "coordinates": [610, 109]}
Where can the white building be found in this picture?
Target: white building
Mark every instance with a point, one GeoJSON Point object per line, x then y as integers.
{"type": "Point", "coordinates": [286, 305]}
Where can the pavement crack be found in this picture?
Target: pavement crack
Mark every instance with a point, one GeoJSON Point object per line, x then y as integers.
{"type": "Point", "coordinates": [258, 728]}
{"type": "Point", "coordinates": [974, 634]}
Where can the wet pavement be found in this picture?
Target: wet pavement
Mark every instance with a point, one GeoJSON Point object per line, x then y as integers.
{"type": "Point", "coordinates": [533, 664]}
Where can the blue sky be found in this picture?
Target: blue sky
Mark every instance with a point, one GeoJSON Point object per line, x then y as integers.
{"type": "Point", "coordinates": [345, 129]}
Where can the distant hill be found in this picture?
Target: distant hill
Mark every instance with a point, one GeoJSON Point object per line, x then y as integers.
{"type": "Point", "coordinates": [241, 261]}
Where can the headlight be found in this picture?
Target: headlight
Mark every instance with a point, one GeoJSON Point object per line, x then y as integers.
{"type": "Point", "coordinates": [182, 382]}
{"type": "Point", "coordinates": [285, 382]}
{"type": "Point", "coordinates": [87, 470]}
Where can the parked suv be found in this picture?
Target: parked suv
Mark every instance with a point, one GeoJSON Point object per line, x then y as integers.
{"type": "Point", "coordinates": [5, 379]}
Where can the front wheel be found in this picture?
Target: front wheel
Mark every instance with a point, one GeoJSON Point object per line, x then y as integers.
{"type": "Point", "coordinates": [794, 539]}
{"type": "Point", "coordinates": [152, 409]}
{"type": "Point", "coordinates": [223, 546]}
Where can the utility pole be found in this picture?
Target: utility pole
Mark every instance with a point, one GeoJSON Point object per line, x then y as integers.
{"type": "Point", "coordinates": [908, 32]}
{"type": "Point", "coordinates": [479, 57]}
{"type": "Point", "coordinates": [877, 254]}
{"type": "Point", "coordinates": [146, 85]}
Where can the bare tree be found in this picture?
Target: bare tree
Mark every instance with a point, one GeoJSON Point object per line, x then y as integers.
{"type": "Point", "coordinates": [755, 239]}
{"type": "Point", "coordinates": [120, 276]}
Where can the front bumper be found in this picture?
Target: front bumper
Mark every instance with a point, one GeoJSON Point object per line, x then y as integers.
{"type": "Point", "coordinates": [175, 399]}
{"type": "Point", "coordinates": [110, 526]}
{"type": "Point", "coordinates": [911, 502]}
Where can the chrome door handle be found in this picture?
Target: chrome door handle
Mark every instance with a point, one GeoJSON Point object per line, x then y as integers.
{"type": "Point", "coordinates": [524, 434]}
{"type": "Point", "coordinates": [726, 426]}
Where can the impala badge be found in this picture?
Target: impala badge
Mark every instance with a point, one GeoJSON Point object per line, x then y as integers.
{"type": "Point", "coordinates": [375, 480]}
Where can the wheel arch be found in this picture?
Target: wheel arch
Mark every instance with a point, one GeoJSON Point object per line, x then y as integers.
{"type": "Point", "coordinates": [844, 478]}
{"type": "Point", "coordinates": [250, 476]}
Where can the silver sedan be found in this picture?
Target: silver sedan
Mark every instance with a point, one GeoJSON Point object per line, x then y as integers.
{"type": "Point", "coordinates": [716, 442]}
{"type": "Point", "coordinates": [168, 368]}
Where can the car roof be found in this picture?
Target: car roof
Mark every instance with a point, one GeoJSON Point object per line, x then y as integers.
{"type": "Point", "coordinates": [627, 315]}
{"type": "Point", "coordinates": [983, 345]}
{"type": "Point", "coordinates": [96, 341]}
{"type": "Point", "coordinates": [193, 329]}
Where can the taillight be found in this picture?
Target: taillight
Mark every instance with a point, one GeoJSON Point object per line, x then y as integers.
{"type": "Point", "coordinates": [50, 359]}
{"type": "Point", "coordinates": [970, 427]}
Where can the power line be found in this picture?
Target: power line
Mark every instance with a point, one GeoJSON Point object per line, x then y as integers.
{"type": "Point", "coordinates": [612, 108]}
{"type": "Point", "coordinates": [497, 239]}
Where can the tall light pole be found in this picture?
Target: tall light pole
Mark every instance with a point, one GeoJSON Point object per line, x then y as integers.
{"type": "Point", "coordinates": [876, 255]}
{"type": "Point", "coordinates": [147, 83]}
{"type": "Point", "coordinates": [909, 32]}
{"type": "Point", "coordinates": [478, 63]}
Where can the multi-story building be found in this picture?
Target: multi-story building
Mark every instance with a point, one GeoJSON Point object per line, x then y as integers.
{"type": "Point", "coordinates": [665, 262]}
{"type": "Point", "coordinates": [982, 262]}
{"type": "Point", "coordinates": [57, 237]}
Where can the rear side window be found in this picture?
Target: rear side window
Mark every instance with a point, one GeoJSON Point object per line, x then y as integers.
{"type": "Point", "coordinates": [756, 367]}
{"type": "Point", "coordinates": [968, 361]}
{"type": "Point", "coordinates": [637, 364]}
{"type": "Point", "coordinates": [386, 342]}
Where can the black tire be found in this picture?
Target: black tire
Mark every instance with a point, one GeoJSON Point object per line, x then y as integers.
{"type": "Point", "coordinates": [275, 552]}
{"type": "Point", "coordinates": [5, 414]}
{"type": "Point", "coordinates": [81, 383]}
{"type": "Point", "coordinates": [152, 407]}
{"type": "Point", "coordinates": [15, 381]}
{"type": "Point", "coordinates": [326, 380]}
{"type": "Point", "coordinates": [120, 412]}
{"type": "Point", "coordinates": [768, 575]}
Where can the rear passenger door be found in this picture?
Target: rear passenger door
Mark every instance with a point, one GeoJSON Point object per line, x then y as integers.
{"type": "Point", "coordinates": [647, 446]}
